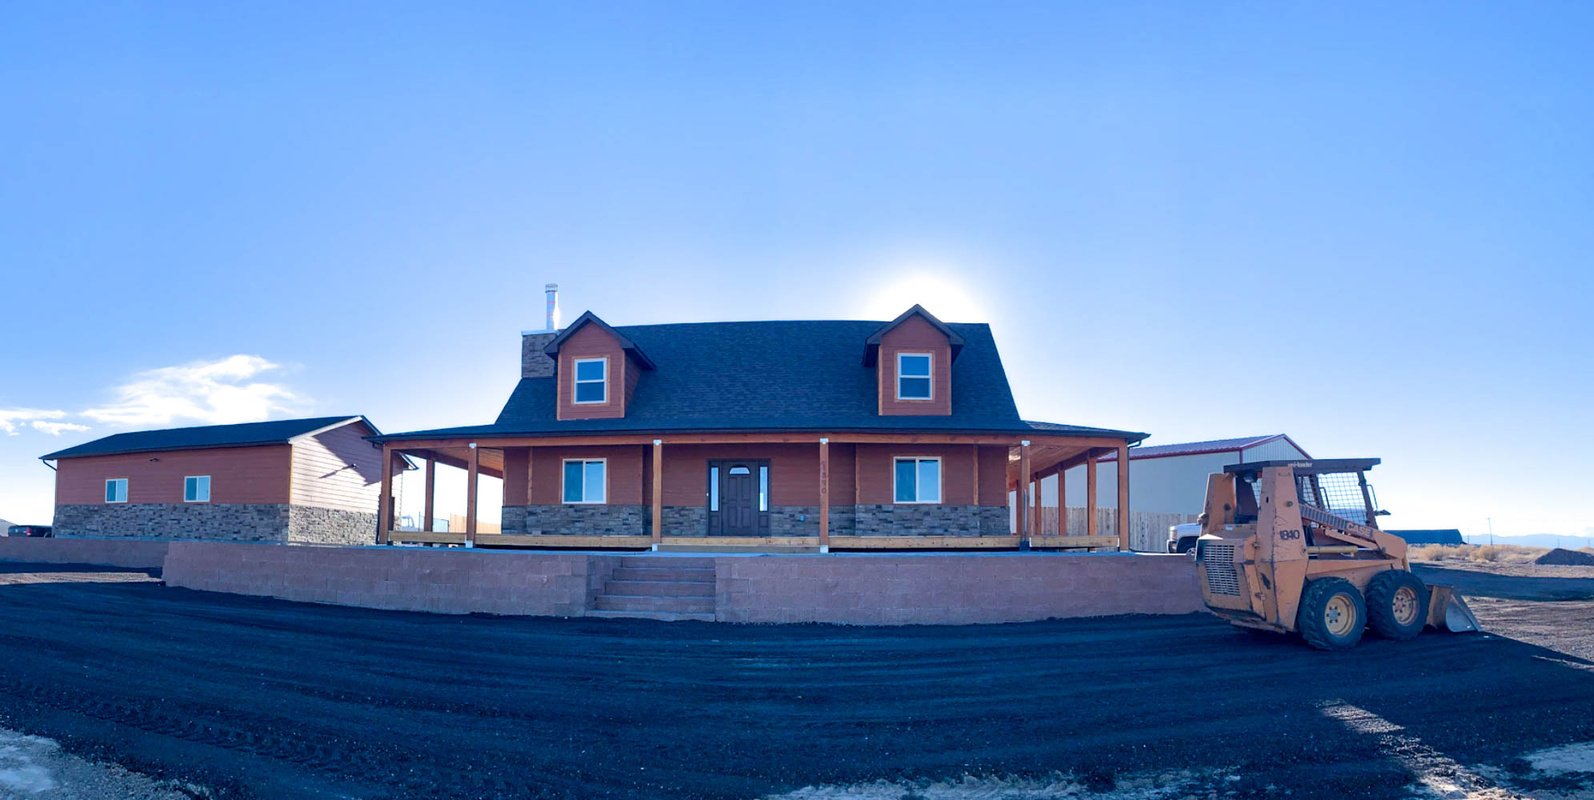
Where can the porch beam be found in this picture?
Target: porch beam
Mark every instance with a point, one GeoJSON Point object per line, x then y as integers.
{"type": "Point", "coordinates": [1004, 440]}
{"type": "Point", "coordinates": [1123, 497]}
{"type": "Point", "coordinates": [1062, 501]}
{"type": "Point", "coordinates": [473, 470]}
{"type": "Point", "coordinates": [431, 494]}
{"type": "Point", "coordinates": [824, 495]}
{"type": "Point", "coordinates": [384, 502]}
{"type": "Point", "coordinates": [1090, 493]}
{"type": "Point", "coordinates": [658, 492]}
{"type": "Point", "coordinates": [1020, 500]}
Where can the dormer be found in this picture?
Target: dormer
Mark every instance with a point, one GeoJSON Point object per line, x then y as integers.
{"type": "Point", "coordinates": [912, 357]}
{"type": "Point", "coordinates": [597, 369]}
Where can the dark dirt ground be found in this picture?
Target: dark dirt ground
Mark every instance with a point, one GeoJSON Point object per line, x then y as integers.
{"type": "Point", "coordinates": [258, 698]}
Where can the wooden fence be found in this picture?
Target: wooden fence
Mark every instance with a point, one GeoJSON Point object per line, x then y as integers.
{"type": "Point", "coordinates": [1148, 530]}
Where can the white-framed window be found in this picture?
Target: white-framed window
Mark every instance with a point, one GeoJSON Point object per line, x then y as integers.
{"type": "Point", "coordinates": [586, 480]}
{"type": "Point", "coordinates": [592, 380]}
{"type": "Point", "coordinates": [116, 490]}
{"type": "Point", "coordinates": [913, 376]}
{"type": "Point", "coordinates": [917, 480]}
{"type": "Point", "coordinates": [196, 489]}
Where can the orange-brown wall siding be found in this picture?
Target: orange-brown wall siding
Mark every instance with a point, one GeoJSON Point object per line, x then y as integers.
{"type": "Point", "coordinates": [592, 341]}
{"type": "Point", "coordinates": [624, 473]}
{"type": "Point", "coordinates": [337, 469]}
{"type": "Point", "coordinates": [793, 472]}
{"type": "Point", "coordinates": [876, 465]}
{"type": "Point", "coordinates": [915, 335]}
{"type": "Point", "coordinates": [858, 473]}
{"type": "Point", "coordinates": [237, 475]}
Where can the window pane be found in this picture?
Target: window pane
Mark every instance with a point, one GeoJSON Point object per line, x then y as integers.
{"type": "Point", "coordinates": [589, 392]}
{"type": "Point", "coordinates": [713, 488]}
{"type": "Point", "coordinates": [190, 489]}
{"type": "Point", "coordinates": [202, 488]}
{"type": "Point", "coordinates": [594, 482]}
{"type": "Point", "coordinates": [763, 488]}
{"type": "Point", "coordinates": [589, 370]}
{"type": "Point", "coordinates": [914, 388]}
{"type": "Point", "coordinates": [110, 491]}
{"type": "Point", "coordinates": [906, 478]}
{"type": "Point", "coordinates": [917, 366]}
{"type": "Point", "coordinates": [572, 481]}
{"type": "Point", "coordinates": [929, 481]}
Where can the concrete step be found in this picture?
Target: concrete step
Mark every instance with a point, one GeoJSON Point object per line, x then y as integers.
{"type": "Point", "coordinates": [674, 562]}
{"type": "Point", "coordinates": [678, 605]}
{"type": "Point", "coordinates": [663, 616]}
{"type": "Point", "coordinates": [661, 574]}
{"type": "Point", "coordinates": [651, 588]}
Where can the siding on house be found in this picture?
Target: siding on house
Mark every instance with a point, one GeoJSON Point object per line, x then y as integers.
{"type": "Point", "coordinates": [915, 335]}
{"type": "Point", "coordinates": [338, 469]}
{"type": "Point", "coordinates": [238, 475]}
{"type": "Point", "coordinates": [592, 341]}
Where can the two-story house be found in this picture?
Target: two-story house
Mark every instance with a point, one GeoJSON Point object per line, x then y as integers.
{"type": "Point", "coordinates": [807, 434]}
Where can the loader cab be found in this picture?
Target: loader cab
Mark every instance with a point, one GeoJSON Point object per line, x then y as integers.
{"type": "Point", "coordinates": [1337, 486]}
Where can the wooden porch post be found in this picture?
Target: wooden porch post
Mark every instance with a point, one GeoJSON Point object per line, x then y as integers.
{"type": "Point", "coordinates": [431, 493]}
{"type": "Point", "coordinates": [1090, 493]}
{"type": "Point", "coordinates": [1123, 497]}
{"type": "Point", "coordinates": [1062, 500]}
{"type": "Point", "coordinates": [824, 494]}
{"type": "Point", "coordinates": [384, 503]}
{"type": "Point", "coordinates": [473, 469]}
{"type": "Point", "coordinates": [1023, 502]}
{"type": "Point", "coordinates": [658, 493]}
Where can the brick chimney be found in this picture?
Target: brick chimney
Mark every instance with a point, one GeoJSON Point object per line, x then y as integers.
{"type": "Point", "coordinates": [534, 363]}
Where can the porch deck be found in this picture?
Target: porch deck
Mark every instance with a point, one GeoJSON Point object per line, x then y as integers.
{"type": "Point", "coordinates": [783, 543]}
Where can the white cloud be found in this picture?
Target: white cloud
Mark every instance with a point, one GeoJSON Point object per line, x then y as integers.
{"type": "Point", "coordinates": [11, 419]}
{"type": "Point", "coordinates": [214, 392]}
{"type": "Point", "coordinates": [56, 428]}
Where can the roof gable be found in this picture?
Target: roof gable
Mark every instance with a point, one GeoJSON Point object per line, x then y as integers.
{"type": "Point", "coordinates": [871, 350]}
{"type": "Point", "coordinates": [245, 434]}
{"type": "Point", "coordinates": [589, 318]}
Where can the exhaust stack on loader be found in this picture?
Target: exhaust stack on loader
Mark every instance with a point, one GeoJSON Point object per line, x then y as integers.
{"type": "Point", "coordinates": [1294, 546]}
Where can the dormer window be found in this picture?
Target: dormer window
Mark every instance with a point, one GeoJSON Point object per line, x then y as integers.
{"type": "Point", "coordinates": [592, 380]}
{"type": "Point", "coordinates": [913, 376]}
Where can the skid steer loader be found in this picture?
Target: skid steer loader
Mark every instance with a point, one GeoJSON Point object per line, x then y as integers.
{"type": "Point", "coordinates": [1294, 546]}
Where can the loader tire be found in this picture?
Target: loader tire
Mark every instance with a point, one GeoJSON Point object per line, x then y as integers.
{"type": "Point", "coordinates": [1397, 605]}
{"type": "Point", "coordinates": [1332, 614]}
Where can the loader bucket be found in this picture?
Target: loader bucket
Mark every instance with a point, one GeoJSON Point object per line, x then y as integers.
{"type": "Point", "coordinates": [1448, 612]}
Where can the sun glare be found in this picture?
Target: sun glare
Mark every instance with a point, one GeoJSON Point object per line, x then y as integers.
{"type": "Point", "coordinates": [946, 296]}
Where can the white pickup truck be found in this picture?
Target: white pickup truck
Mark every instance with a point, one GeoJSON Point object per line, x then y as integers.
{"type": "Point", "coordinates": [1182, 537]}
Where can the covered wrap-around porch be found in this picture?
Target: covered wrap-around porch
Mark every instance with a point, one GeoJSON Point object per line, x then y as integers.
{"type": "Point", "coordinates": [824, 491]}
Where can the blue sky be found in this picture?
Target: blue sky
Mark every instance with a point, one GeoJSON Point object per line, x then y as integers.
{"type": "Point", "coordinates": [1363, 225]}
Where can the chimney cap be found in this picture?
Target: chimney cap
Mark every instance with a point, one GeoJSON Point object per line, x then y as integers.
{"type": "Point", "coordinates": [552, 287]}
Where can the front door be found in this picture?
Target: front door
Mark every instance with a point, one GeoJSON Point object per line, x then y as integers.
{"type": "Point", "coordinates": [738, 498]}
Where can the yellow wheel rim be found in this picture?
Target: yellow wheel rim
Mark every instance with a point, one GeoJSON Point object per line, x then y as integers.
{"type": "Point", "coordinates": [1339, 615]}
{"type": "Point", "coordinates": [1405, 605]}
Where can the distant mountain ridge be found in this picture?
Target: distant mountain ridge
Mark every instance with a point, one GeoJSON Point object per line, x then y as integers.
{"type": "Point", "coordinates": [1534, 540]}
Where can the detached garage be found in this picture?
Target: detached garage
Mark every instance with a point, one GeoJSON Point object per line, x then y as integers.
{"type": "Point", "coordinates": [302, 480]}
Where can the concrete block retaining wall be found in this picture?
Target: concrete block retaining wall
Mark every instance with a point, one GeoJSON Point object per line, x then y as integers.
{"type": "Point", "coordinates": [127, 553]}
{"type": "Point", "coordinates": [952, 589]}
{"type": "Point", "coordinates": [405, 579]}
{"type": "Point", "coordinates": [925, 589]}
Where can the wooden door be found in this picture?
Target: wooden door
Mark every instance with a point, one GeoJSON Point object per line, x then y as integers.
{"type": "Point", "coordinates": [739, 507]}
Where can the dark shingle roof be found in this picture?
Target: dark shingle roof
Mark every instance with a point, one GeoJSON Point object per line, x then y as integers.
{"type": "Point", "coordinates": [771, 376]}
{"type": "Point", "coordinates": [242, 435]}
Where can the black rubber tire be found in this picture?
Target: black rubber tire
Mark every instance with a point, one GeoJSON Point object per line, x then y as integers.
{"type": "Point", "coordinates": [1381, 599]}
{"type": "Point", "coordinates": [1184, 546]}
{"type": "Point", "coordinates": [1312, 619]}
